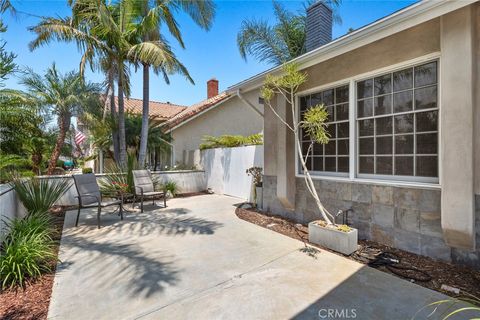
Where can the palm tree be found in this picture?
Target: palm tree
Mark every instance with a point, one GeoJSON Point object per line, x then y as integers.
{"type": "Point", "coordinates": [279, 43]}
{"type": "Point", "coordinates": [107, 33]}
{"type": "Point", "coordinates": [151, 17]}
{"type": "Point", "coordinates": [63, 95]}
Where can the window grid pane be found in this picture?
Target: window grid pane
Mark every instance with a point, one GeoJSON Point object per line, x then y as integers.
{"type": "Point", "coordinates": [397, 131]}
{"type": "Point", "coordinates": [334, 156]}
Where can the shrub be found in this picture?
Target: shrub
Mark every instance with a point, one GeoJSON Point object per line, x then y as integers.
{"type": "Point", "coordinates": [87, 170]}
{"type": "Point", "coordinates": [27, 251]}
{"type": "Point", "coordinates": [172, 187]}
{"type": "Point", "coordinates": [229, 141]}
{"type": "Point", "coordinates": [39, 195]}
{"type": "Point", "coordinates": [60, 163]}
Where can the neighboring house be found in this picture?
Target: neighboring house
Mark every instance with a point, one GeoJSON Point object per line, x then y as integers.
{"type": "Point", "coordinates": [404, 154]}
{"type": "Point", "coordinates": [158, 111]}
{"type": "Point", "coordinates": [220, 114]}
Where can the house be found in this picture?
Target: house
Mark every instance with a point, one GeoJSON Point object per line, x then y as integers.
{"type": "Point", "coordinates": [404, 153]}
{"type": "Point", "coordinates": [225, 113]}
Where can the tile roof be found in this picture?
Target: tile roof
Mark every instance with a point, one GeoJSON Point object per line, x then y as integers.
{"type": "Point", "coordinates": [160, 110]}
{"type": "Point", "coordinates": [195, 109]}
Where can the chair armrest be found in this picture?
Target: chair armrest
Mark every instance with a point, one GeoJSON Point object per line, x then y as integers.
{"type": "Point", "coordinates": [141, 190]}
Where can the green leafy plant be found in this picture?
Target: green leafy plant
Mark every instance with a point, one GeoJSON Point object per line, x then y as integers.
{"type": "Point", "coordinates": [27, 251]}
{"type": "Point", "coordinates": [230, 141]}
{"type": "Point", "coordinates": [87, 170]}
{"type": "Point", "coordinates": [312, 123]}
{"type": "Point", "coordinates": [121, 176]}
{"type": "Point", "coordinates": [39, 195]}
{"type": "Point", "coordinates": [469, 307]}
{"type": "Point", "coordinates": [172, 187]}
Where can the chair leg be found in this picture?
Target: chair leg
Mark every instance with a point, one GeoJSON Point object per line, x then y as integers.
{"type": "Point", "coordinates": [121, 211]}
{"type": "Point", "coordinates": [134, 200]}
{"type": "Point", "coordinates": [98, 216]}
{"type": "Point", "coordinates": [78, 215]}
{"type": "Point", "coordinates": [164, 200]}
{"type": "Point", "coordinates": [141, 204]}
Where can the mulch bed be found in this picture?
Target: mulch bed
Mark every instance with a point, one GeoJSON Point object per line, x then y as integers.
{"type": "Point", "coordinates": [441, 273]}
{"type": "Point", "coordinates": [33, 300]}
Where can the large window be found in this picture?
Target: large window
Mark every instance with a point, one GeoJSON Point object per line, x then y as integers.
{"type": "Point", "coordinates": [397, 123]}
{"type": "Point", "coordinates": [334, 156]}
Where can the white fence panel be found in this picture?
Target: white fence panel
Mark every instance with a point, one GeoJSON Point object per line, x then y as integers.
{"type": "Point", "coordinates": [225, 169]}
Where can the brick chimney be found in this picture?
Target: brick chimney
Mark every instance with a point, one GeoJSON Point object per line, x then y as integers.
{"type": "Point", "coordinates": [319, 25]}
{"type": "Point", "coordinates": [212, 88]}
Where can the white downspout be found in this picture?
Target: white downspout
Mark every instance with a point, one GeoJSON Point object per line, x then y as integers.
{"type": "Point", "coordinates": [245, 101]}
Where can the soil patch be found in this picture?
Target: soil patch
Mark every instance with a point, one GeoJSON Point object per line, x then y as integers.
{"type": "Point", "coordinates": [33, 300]}
{"type": "Point", "coordinates": [437, 273]}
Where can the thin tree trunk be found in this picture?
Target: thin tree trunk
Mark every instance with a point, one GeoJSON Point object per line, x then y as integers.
{"type": "Point", "coordinates": [64, 124]}
{"type": "Point", "coordinates": [121, 123]}
{"type": "Point", "coordinates": [113, 115]}
{"type": "Point", "coordinates": [145, 112]}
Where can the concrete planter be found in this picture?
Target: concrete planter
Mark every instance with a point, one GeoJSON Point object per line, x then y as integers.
{"type": "Point", "coordinates": [343, 242]}
{"type": "Point", "coordinates": [259, 191]}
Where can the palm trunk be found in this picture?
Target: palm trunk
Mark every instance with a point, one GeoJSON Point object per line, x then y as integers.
{"type": "Point", "coordinates": [36, 161]}
{"type": "Point", "coordinates": [121, 124]}
{"type": "Point", "coordinates": [64, 124]}
{"type": "Point", "coordinates": [113, 115]}
{"type": "Point", "coordinates": [145, 112]}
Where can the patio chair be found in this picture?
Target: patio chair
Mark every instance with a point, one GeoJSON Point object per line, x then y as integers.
{"type": "Point", "coordinates": [89, 196]}
{"type": "Point", "coordinates": [144, 187]}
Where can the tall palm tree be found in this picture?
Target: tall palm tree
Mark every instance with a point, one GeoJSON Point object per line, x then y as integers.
{"type": "Point", "coordinates": [107, 32]}
{"type": "Point", "coordinates": [63, 95]}
{"type": "Point", "coordinates": [281, 42]}
{"type": "Point", "coordinates": [153, 14]}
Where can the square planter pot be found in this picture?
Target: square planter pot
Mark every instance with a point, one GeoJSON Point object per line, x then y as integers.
{"type": "Point", "coordinates": [343, 242]}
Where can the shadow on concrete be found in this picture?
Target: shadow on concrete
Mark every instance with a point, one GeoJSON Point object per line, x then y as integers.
{"type": "Point", "coordinates": [172, 222]}
{"type": "Point", "coordinates": [371, 294]}
{"type": "Point", "coordinates": [145, 275]}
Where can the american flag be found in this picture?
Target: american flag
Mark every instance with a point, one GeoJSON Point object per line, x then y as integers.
{"type": "Point", "coordinates": [79, 138]}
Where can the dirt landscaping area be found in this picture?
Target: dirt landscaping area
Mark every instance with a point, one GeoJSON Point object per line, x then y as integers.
{"type": "Point", "coordinates": [421, 270]}
{"type": "Point", "coordinates": [31, 302]}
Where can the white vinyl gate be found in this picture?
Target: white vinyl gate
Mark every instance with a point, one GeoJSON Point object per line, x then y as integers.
{"type": "Point", "coordinates": [225, 169]}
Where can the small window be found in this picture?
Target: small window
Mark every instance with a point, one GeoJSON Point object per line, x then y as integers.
{"type": "Point", "coordinates": [332, 158]}
{"type": "Point", "coordinates": [397, 123]}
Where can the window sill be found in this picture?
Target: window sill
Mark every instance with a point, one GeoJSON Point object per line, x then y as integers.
{"type": "Point", "coordinates": [392, 183]}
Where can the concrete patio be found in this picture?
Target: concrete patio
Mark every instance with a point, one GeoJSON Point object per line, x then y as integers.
{"type": "Point", "coordinates": [197, 260]}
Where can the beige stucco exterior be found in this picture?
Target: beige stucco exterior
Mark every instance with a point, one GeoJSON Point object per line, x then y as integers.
{"type": "Point", "coordinates": [454, 39]}
{"type": "Point", "coordinates": [230, 117]}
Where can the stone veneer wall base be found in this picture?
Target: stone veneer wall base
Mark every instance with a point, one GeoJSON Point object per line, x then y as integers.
{"type": "Point", "coordinates": [401, 217]}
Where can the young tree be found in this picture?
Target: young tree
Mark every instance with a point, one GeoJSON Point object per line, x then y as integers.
{"type": "Point", "coordinates": [311, 123]}
{"type": "Point", "coordinates": [63, 95]}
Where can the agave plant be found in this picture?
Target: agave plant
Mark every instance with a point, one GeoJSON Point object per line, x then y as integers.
{"type": "Point", "coordinates": [39, 195]}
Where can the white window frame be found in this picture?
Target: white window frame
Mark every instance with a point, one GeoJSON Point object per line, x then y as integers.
{"type": "Point", "coordinates": [353, 176]}
{"type": "Point", "coordinates": [327, 173]}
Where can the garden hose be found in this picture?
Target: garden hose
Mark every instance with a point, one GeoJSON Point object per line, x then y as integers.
{"type": "Point", "coordinates": [377, 258]}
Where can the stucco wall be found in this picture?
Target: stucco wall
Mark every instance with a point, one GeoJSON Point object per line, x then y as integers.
{"type": "Point", "coordinates": [231, 117]}
{"type": "Point", "coordinates": [403, 216]}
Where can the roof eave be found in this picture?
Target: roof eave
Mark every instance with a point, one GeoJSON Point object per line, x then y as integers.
{"type": "Point", "coordinates": [389, 25]}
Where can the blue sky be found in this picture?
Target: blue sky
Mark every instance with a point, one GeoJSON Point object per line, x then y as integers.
{"type": "Point", "coordinates": [207, 54]}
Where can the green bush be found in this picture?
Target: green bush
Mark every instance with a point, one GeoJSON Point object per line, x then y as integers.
{"type": "Point", "coordinates": [229, 141]}
{"type": "Point", "coordinates": [28, 250]}
{"type": "Point", "coordinates": [60, 163]}
{"type": "Point", "coordinates": [39, 195]}
{"type": "Point", "coordinates": [172, 187]}
{"type": "Point", "coordinates": [87, 170]}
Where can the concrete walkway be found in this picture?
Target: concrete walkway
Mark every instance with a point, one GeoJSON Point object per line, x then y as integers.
{"type": "Point", "coordinates": [197, 260]}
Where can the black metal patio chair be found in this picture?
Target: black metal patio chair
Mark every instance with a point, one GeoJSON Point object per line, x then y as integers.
{"type": "Point", "coordinates": [89, 196]}
{"type": "Point", "coordinates": [144, 188]}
